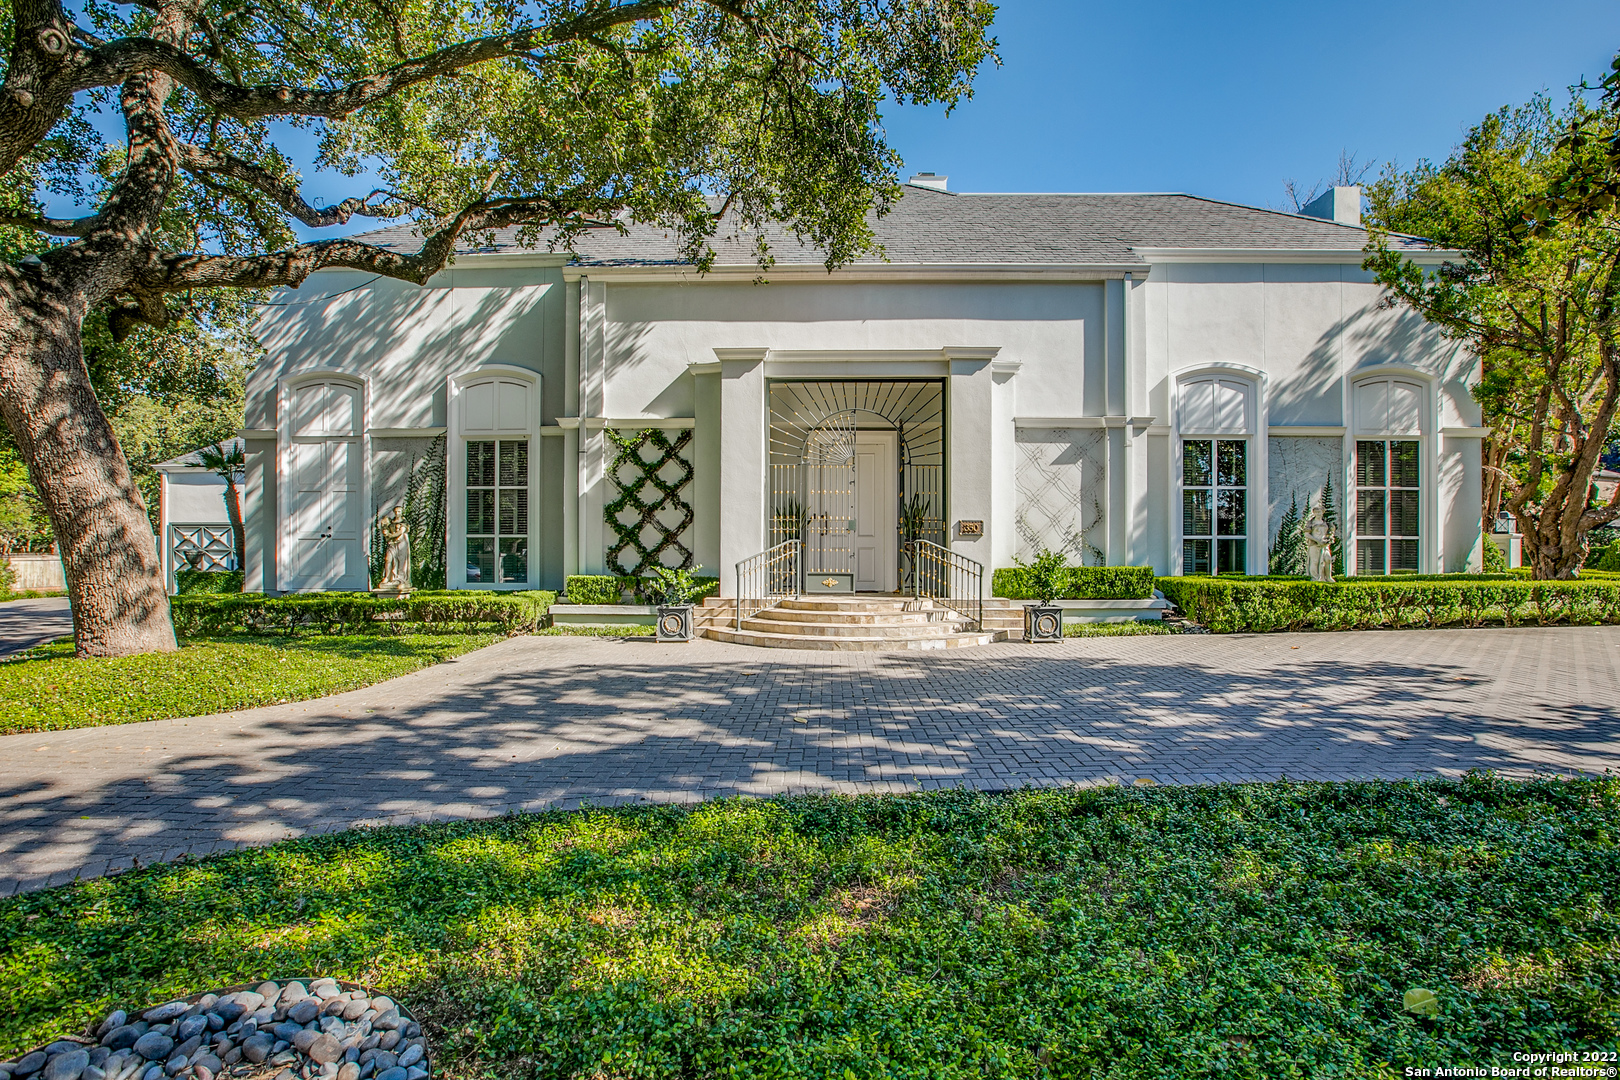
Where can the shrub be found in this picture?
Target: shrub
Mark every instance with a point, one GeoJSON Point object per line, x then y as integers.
{"type": "Point", "coordinates": [8, 577]}
{"type": "Point", "coordinates": [208, 582]}
{"type": "Point", "coordinates": [670, 587]}
{"type": "Point", "coordinates": [1258, 605]}
{"type": "Point", "coordinates": [1083, 583]}
{"type": "Point", "coordinates": [1492, 561]}
{"type": "Point", "coordinates": [593, 589]}
{"type": "Point", "coordinates": [352, 613]}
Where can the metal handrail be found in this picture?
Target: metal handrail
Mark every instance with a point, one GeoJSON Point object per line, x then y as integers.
{"type": "Point", "coordinates": [953, 580]}
{"type": "Point", "coordinates": [766, 579]}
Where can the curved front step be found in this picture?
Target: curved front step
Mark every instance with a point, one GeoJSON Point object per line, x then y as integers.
{"type": "Point", "coordinates": [863, 618]}
{"type": "Point", "coordinates": [851, 644]}
{"type": "Point", "coordinates": [768, 625]}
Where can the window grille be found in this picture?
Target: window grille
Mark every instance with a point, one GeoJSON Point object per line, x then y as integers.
{"type": "Point", "coordinates": [1387, 506]}
{"type": "Point", "coordinates": [1214, 506]}
{"type": "Point", "coordinates": [202, 547]}
{"type": "Point", "coordinates": [498, 511]}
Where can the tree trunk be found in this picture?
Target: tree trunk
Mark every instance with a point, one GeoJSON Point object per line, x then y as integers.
{"type": "Point", "coordinates": [114, 577]}
{"type": "Point", "coordinates": [233, 512]}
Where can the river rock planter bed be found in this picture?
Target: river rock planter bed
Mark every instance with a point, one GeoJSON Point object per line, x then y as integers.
{"type": "Point", "coordinates": [276, 1031]}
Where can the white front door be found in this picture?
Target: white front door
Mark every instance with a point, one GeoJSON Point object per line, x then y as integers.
{"type": "Point", "coordinates": [877, 514]}
{"type": "Point", "coordinates": [326, 537]}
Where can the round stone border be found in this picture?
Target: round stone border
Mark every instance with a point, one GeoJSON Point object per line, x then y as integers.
{"type": "Point", "coordinates": [88, 1039]}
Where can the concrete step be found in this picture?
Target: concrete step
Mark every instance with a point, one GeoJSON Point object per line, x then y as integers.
{"type": "Point", "coordinates": [848, 644]}
{"type": "Point", "coordinates": [765, 624]}
{"type": "Point", "coordinates": [895, 617]}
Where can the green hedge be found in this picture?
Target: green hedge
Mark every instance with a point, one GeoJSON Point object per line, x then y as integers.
{"type": "Point", "coordinates": [1258, 605]}
{"type": "Point", "coordinates": [1084, 583]}
{"type": "Point", "coordinates": [351, 613]}
{"type": "Point", "coordinates": [609, 588]}
{"type": "Point", "coordinates": [208, 582]}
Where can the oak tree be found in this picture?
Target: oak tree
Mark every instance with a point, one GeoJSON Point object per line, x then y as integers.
{"type": "Point", "coordinates": [552, 116]}
{"type": "Point", "coordinates": [1533, 293]}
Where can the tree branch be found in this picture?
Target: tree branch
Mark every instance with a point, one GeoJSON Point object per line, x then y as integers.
{"type": "Point", "coordinates": [50, 226]}
{"type": "Point", "coordinates": [286, 194]}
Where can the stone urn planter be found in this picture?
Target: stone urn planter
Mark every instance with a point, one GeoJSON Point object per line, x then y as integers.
{"type": "Point", "coordinates": [1043, 622]}
{"type": "Point", "coordinates": [675, 591]}
{"type": "Point", "coordinates": [291, 1027]}
{"type": "Point", "coordinates": [674, 622]}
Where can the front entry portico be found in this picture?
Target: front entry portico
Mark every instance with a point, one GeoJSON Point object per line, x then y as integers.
{"type": "Point", "coordinates": [856, 468]}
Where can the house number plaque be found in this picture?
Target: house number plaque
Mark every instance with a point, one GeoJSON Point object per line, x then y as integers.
{"type": "Point", "coordinates": [970, 528]}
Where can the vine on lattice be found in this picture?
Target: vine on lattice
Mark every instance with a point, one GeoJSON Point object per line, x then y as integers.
{"type": "Point", "coordinates": [648, 474]}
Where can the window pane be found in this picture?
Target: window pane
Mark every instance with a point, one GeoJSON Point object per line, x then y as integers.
{"type": "Point", "coordinates": [1196, 467]}
{"type": "Point", "coordinates": [1403, 513]}
{"type": "Point", "coordinates": [1403, 464]}
{"type": "Point", "coordinates": [1369, 464]}
{"type": "Point", "coordinates": [480, 512]}
{"type": "Point", "coordinates": [1232, 556]}
{"type": "Point", "coordinates": [1195, 512]}
{"type": "Point", "coordinates": [1232, 468]}
{"type": "Point", "coordinates": [481, 464]}
{"type": "Point", "coordinates": [1195, 556]}
{"type": "Point", "coordinates": [515, 463]}
{"type": "Point", "coordinates": [1369, 556]}
{"type": "Point", "coordinates": [1369, 513]}
{"type": "Point", "coordinates": [515, 512]}
{"type": "Point", "coordinates": [515, 559]}
{"type": "Point", "coordinates": [1231, 511]}
{"type": "Point", "coordinates": [480, 560]}
{"type": "Point", "coordinates": [1403, 555]}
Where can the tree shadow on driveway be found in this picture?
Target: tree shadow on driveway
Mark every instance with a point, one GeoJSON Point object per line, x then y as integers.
{"type": "Point", "coordinates": [539, 722]}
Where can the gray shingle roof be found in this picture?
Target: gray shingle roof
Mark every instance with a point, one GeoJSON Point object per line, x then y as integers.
{"type": "Point", "coordinates": [935, 228]}
{"type": "Point", "coordinates": [189, 458]}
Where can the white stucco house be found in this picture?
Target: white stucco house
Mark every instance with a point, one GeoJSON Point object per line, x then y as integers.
{"type": "Point", "coordinates": [1144, 379]}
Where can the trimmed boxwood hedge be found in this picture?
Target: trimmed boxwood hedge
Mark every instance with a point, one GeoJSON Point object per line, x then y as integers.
{"type": "Point", "coordinates": [1084, 583]}
{"type": "Point", "coordinates": [352, 613]}
{"type": "Point", "coordinates": [208, 582]}
{"type": "Point", "coordinates": [1257, 605]}
{"type": "Point", "coordinates": [609, 588]}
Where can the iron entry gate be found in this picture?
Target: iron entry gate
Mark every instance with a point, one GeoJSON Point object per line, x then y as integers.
{"type": "Point", "coordinates": [814, 429]}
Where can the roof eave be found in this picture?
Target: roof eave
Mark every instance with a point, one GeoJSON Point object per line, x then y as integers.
{"type": "Point", "coordinates": [686, 273]}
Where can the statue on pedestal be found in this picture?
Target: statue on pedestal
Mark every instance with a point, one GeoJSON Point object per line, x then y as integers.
{"type": "Point", "coordinates": [1318, 536]}
{"type": "Point", "coordinates": [396, 578]}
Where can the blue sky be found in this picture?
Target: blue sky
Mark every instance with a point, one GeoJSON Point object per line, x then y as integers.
{"type": "Point", "coordinates": [1223, 100]}
{"type": "Point", "coordinates": [1228, 100]}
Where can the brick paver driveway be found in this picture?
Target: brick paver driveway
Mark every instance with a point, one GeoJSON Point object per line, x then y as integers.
{"type": "Point", "coordinates": [533, 722]}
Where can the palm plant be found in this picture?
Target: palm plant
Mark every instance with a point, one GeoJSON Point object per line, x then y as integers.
{"type": "Point", "coordinates": [227, 461]}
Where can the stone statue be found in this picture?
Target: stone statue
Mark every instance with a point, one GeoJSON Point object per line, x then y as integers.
{"type": "Point", "coordinates": [1318, 536]}
{"type": "Point", "coordinates": [396, 577]}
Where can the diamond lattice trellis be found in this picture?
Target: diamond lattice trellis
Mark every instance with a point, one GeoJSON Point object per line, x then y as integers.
{"type": "Point", "coordinates": [1060, 476]}
{"type": "Point", "coordinates": [650, 497]}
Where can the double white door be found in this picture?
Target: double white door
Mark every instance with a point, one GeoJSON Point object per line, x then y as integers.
{"type": "Point", "coordinates": [326, 531]}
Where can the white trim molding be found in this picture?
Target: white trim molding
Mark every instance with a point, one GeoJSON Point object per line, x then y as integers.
{"type": "Point", "coordinates": [257, 434]}
{"type": "Point", "coordinates": [1307, 431]}
{"type": "Point", "coordinates": [1466, 432]}
{"type": "Point", "coordinates": [405, 432]}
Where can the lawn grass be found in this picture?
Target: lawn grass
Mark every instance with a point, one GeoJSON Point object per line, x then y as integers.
{"type": "Point", "coordinates": [1136, 628]}
{"type": "Point", "coordinates": [47, 688]}
{"type": "Point", "coordinates": [1254, 931]}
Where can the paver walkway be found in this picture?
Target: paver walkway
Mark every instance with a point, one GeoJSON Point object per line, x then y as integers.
{"type": "Point", "coordinates": [28, 622]}
{"type": "Point", "coordinates": [533, 722]}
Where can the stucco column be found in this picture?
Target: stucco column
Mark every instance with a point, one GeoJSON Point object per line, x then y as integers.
{"type": "Point", "coordinates": [970, 457]}
{"type": "Point", "coordinates": [742, 461]}
{"type": "Point", "coordinates": [706, 468]}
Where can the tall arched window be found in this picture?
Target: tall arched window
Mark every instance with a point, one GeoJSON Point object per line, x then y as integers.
{"type": "Point", "coordinates": [493, 473]}
{"type": "Point", "coordinates": [1388, 497]}
{"type": "Point", "coordinates": [1217, 419]}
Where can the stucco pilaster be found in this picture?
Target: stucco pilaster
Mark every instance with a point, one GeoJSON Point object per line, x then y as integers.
{"type": "Point", "coordinates": [970, 460]}
{"type": "Point", "coordinates": [743, 448]}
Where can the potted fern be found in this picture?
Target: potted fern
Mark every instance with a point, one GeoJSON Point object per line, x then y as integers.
{"type": "Point", "coordinates": [1043, 620]}
{"type": "Point", "coordinates": [674, 591]}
